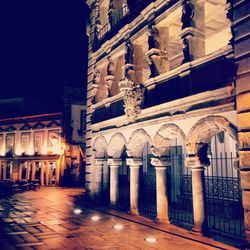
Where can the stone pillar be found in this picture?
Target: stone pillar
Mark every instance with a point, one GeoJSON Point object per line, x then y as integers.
{"type": "Point", "coordinates": [98, 178]}
{"type": "Point", "coordinates": [198, 191]}
{"type": "Point", "coordinates": [20, 166]}
{"type": "Point", "coordinates": [57, 172]}
{"type": "Point", "coordinates": [47, 173]}
{"type": "Point", "coordinates": [4, 169]}
{"type": "Point", "coordinates": [114, 165]}
{"type": "Point", "coordinates": [42, 173]}
{"type": "Point", "coordinates": [161, 188]}
{"type": "Point", "coordinates": [27, 170]}
{"type": "Point", "coordinates": [33, 170]}
{"type": "Point", "coordinates": [134, 165]}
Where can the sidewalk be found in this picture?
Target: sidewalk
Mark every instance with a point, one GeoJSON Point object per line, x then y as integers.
{"type": "Point", "coordinates": [47, 219]}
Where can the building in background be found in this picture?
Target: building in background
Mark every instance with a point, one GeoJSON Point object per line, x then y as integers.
{"type": "Point", "coordinates": [43, 145]}
{"type": "Point", "coordinates": [168, 111]}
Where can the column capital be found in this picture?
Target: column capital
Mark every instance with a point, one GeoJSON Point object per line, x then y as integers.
{"type": "Point", "coordinates": [161, 162]}
{"type": "Point", "coordinates": [114, 162]}
{"type": "Point", "coordinates": [192, 161]}
{"type": "Point", "coordinates": [133, 162]}
{"type": "Point", "coordinates": [99, 162]}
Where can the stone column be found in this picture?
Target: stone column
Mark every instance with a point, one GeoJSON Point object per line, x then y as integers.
{"type": "Point", "coordinates": [198, 191]}
{"type": "Point", "coordinates": [134, 165]}
{"type": "Point", "coordinates": [161, 188]}
{"type": "Point", "coordinates": [114, 165]}
{"type": "Point", "coordinates": [98, 177]}
{"type": "Point", "coordinates": [20, 171]}
{"type": "Point", "coordinates": [4, 169]}
{"type": "Point", "coordinates": [47, 174]}
{"type": "Point", "coordinates": [57, 172]}
{"type": "Point", "coordinates": [42, 173]}
{"type": "Point", "coordinates": [27, 170]}
{"type": "Point", "coordinates": [33, 173]}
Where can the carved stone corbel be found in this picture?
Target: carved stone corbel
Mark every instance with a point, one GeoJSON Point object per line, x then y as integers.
{"type": "Point", "coordinates": [157, 58]}
{"type": "Point", "coordinates": [110, 75]}
{"type": "Point", "coordinates": [133, 98]}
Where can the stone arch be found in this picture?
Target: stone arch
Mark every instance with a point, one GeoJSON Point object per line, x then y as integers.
{"type": "Point", "coordinates": [137, 141]}
{"type": "Point", "coordinates": [164, 137]}
{"type": "Point", "coordinates": [116, 145]}
{"type": "Point", "coordinates": [202, 132]}
{"type": "Point", "coordinates": [100, 147]}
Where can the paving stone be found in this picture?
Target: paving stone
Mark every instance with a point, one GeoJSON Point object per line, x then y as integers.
{"type": "Point", "coordinates": [45, 219]}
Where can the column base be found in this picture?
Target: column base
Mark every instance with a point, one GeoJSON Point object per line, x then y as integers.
{"type": "Point", "coordinates": [201, 231]}
{"type": "Point", "coordinates": [133, 212]}
{"type": "Point", "coordinates": [162, 221]}
{"type": "Point", "coordinates": [112, 206]}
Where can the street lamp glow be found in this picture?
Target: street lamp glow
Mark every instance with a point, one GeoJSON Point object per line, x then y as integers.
{"type": "Point", "coordinates": [95, 218]}
{"type": "Point", "coordinates": [150, 239]}
{"type": "Point", "coordinates": [118, 227]}
{"type": "Point", "coordinates": [77, 211]}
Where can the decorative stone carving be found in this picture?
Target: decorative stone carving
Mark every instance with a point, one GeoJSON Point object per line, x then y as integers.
{"type": "Point", "coordinates": [187, 14]}
{"type": "Point", "coordinates": [110, 75]}
{"type": "Point", "coordinates": [129, 55]}
{"type": "Point", "coordinates": [133, 93]}
{"type": "Point", "coordinates": [95, 84]}
{"type": "Point", "coordinates": [133, 98]}
{"type": "Point", "coordinates": [157, 58]}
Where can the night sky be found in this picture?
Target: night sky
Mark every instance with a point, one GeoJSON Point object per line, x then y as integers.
{"type": "Point", "coordinates": [42, 47]}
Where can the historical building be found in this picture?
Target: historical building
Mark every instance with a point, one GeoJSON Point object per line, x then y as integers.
{"type": "Point", "coordinates": [168, 111]}
{"type": "Point", "coordinates": [46, 147]}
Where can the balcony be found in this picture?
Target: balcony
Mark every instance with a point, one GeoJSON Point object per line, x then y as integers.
{"type": "Point", "coordinates": [118, 19]}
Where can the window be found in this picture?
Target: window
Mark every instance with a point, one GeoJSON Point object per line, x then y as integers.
{"type": "Point", "coordinates": [83, 121]}
{"type": "Point", "coordinates": [10, 139]}
{"type": "Point", "coordinates": [1, 142]}
{"type": "Point", "coordinates": [25, 140]}
{"type": "Point", "coordinates": [38, 142]}
{"type": "Point", "coordinates": [54, 141]}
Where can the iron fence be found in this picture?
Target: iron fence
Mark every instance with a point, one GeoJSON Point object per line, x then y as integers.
{"type": "Point", "coordinates": [147, 190]}
{"type": "Point", "coordinates": [179, 183]}
{"type": "Point", "coordinates": [223, 196]}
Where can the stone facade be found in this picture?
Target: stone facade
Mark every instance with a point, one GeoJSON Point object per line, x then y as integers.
{"type": "Point", "coordinates": [166, 76]}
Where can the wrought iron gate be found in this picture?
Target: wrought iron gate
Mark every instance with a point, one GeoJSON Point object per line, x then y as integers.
{"type": "Point", "coordinates": [124, 187]}
{"type": "Point", "coordinates": [147, 193]}
{"type": "Point", "coordinates": [179, 186]}
{"type": "Point", "coordinates": [223, 196]}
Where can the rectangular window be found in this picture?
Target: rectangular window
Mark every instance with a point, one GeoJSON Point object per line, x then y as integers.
{"type": "Point", "coordinates": [25, 141]}
{"type": "Point", "coordinates": [1, 142]}
{"type": "Point", "coordinates": [38, 142]}
{"type": "Point", "coordinates": [54, 139]}
{"type": "Point", "coordinates": [10, 140]}
{"type": "Point", "coordinates": [83, 121]}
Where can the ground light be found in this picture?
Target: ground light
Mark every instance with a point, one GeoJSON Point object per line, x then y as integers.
{"type": "Point", "coordinates": [77, 211]}
{"type": "Point", "coordinates": [150, 239]}
{"type": "Point", "coordinates": [118, 227]}
{"type": "Point", "coordinates": [95, 218]}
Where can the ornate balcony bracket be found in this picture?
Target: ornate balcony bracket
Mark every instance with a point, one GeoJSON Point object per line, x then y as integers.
{"type": "Point", "coordinates": [158, 61]}
{"type": "Point", "coordinates": [133, 98]}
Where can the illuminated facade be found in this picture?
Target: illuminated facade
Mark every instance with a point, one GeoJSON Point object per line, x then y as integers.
{"type": "Point", "coordinates": [44, 147]}
{"type": "Point", "coordinates": [167, 119]}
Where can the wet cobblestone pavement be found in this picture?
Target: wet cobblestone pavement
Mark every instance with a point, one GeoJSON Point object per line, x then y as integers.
{"type": "Point", "coordinates": [47, 219]}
